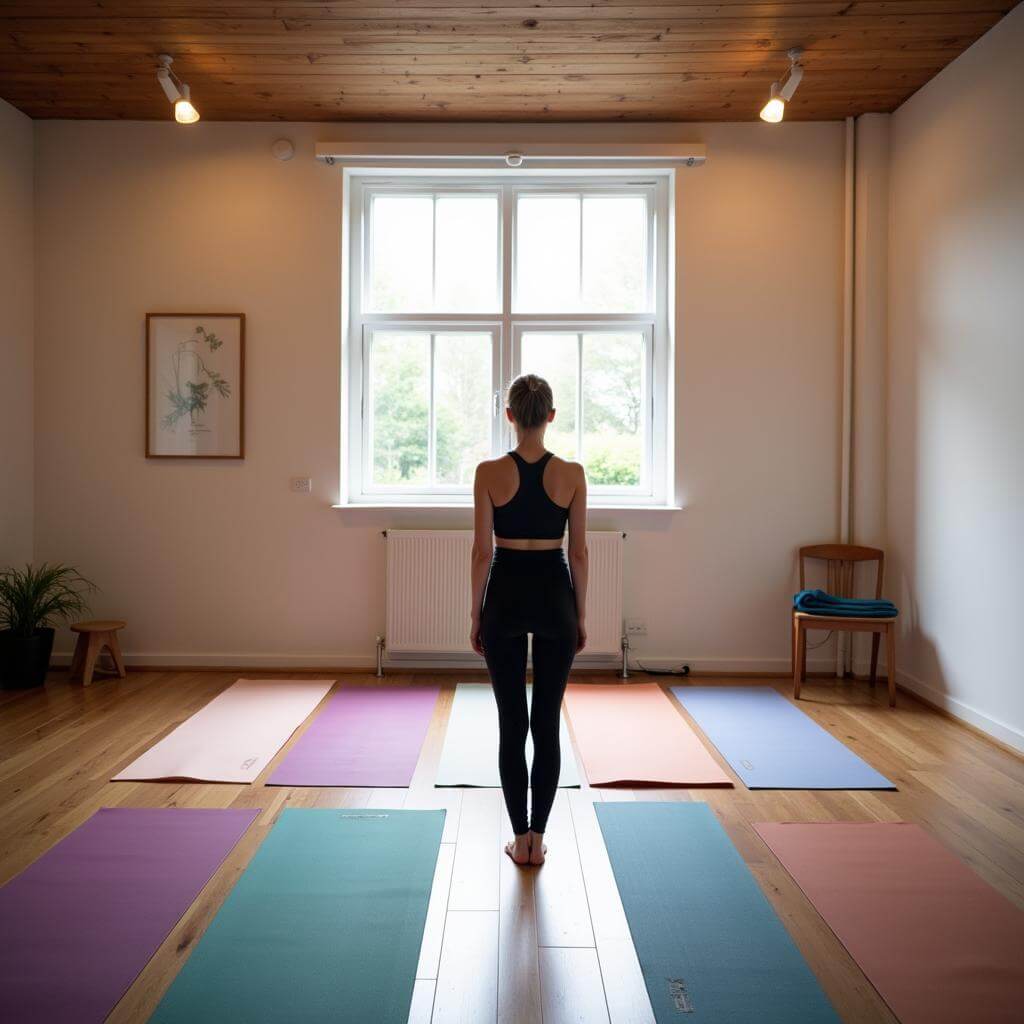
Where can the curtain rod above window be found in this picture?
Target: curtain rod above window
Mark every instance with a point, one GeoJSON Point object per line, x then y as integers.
{"type": "Point", "coordinates": [527, 155]}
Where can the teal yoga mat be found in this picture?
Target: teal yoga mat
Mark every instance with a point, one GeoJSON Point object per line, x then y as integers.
{"type": "Point", "coordinates": [710, 946]}
{"type": "Point", "coordinates": [325, 924]}
{"type": "Point", "coordinates": [470, 753]}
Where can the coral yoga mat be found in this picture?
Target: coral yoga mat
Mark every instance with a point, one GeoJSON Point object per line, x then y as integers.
{"type": "Point", "coordinates": [633, 733]}
{"type": "Point", "coordinates": [939, 944]}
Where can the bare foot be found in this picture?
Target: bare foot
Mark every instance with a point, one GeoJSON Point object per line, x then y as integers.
{"type": "Point", "coordinates": [518, 849]}
{"type": "Point", "coordinates": [537, 848]}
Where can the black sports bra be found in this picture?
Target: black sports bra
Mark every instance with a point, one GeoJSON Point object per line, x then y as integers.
{"type": "Point", "coordinates": [530, 514]}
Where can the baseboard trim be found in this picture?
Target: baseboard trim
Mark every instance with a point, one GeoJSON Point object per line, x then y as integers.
{"type": "Point", "coordinates": [197, 662]}
{"type": "Point", "coordinates": [779, 667]}
{"type": "Point", "coordinates": [208, 662]}
{"type": "Point", "coordinates": [999, 733]}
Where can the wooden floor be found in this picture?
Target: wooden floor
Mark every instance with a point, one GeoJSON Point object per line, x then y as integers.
{"type": "Point", "coordinates": [503, 944]}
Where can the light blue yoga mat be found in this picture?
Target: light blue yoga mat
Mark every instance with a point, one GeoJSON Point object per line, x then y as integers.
{"type": "Point", "coordinates": [770, 744]}
{"type": "Point", "coordinates": [325, 925]}
{"type": "Point", "coordinates": [710, 946]}
{"type": "Point", "coordinates": [470, 753]}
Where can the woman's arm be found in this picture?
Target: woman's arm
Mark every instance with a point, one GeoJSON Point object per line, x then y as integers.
{"type": "Point", "coordinates": [483, 549]}
{"type": "Point", "coordinates": [579, 561]}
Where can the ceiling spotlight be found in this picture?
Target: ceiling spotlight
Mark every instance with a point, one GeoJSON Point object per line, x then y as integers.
{"type": "Point", "coordinates": [176, 91]}
{"type": "Point", "coordinates": [781, 93]}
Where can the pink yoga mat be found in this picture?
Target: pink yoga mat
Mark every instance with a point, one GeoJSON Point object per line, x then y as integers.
{"type": "Point", "coordinates": [81, 922]}
{"type": "Point", "coordinates": [364, 736]}
{"type": "Point", "coordinates": [235, 736]}
{"type": "Point", "coordinates": [633, 733]}
{"type": "Point", "coordinates": [939, 944]}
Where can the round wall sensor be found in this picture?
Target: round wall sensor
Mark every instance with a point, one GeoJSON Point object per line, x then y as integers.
{"type": "Point", "coordinates": [514, 159]}
{"type": "Point", "coordinates": [283, 149]}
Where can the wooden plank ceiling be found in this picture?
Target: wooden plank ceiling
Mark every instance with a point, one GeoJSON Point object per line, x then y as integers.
{"type": "Point", "coordinates": [556, 60]}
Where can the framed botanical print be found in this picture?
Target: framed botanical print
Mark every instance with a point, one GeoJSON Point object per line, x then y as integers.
{"type": "Point", "coordinates": [195, 365]}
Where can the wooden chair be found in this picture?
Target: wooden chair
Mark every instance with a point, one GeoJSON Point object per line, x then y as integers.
{"type": "Point", "coordinates": [92, 638]}
{"type": "Point", "coordinates": [842, 560]}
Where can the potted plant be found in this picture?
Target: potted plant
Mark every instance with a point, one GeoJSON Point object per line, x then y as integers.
{"type": "Point", "coordinates": [31, 602]}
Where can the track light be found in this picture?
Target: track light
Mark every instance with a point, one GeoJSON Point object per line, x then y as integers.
{"type": "Point", "coordinates": [176, 91]}
{"type": "Point", "coordinates": [774, 110]}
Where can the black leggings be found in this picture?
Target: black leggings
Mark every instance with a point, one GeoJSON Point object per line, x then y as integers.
{"type": "Point", "coordinates": [529, 592]}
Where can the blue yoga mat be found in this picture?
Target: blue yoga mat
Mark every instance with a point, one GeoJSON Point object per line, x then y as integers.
{"type": "Point", "coordinates": [770, 744]}
{"type": "Point", "coordinates": [710, 946]}
{"type": "Point", "coordinates": [325, 924]}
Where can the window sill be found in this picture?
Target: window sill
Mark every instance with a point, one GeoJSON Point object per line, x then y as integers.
{"type": "Point", "coordinates": [427, 506]}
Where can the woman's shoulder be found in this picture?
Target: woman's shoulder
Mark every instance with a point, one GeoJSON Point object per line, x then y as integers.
{"type": "Point", "coordinates": [491, 465]}
{"type": "Point", "coordinates": [491, 471]}
{"type": "Point", "coordinates": [571, 470]}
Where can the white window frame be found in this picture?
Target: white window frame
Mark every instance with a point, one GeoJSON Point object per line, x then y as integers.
{"type": "Point", "coordinates": [506, 327]}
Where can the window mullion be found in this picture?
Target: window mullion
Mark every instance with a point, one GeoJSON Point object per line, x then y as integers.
{"type": "Point", "coordinates": [433, 256]}
{"type": "Point", "coordinates": [431, 421]}
{"type": "Point", "coordinates": [506, 361]}
{"type": "Point", "coordinates": [579, 398]}
{"type": "Point", "coordinates": [579, 262]}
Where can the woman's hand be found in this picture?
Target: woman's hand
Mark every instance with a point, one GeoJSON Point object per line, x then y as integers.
{"type": "Point", "coordinates": [474, 636]}
{"type": "Point", "coordinates": [581, 635]}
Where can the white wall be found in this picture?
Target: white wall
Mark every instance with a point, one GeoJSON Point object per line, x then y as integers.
{"type": "Point", "coordinates": [955, 509]}
{"type": "Point", "coordinates": [16, 308]}
{"type": "Point", "coordinates": [219, 562]}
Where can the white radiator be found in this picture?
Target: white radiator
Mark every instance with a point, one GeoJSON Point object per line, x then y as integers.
{"type": "Point", "coordinates": [428, 595]}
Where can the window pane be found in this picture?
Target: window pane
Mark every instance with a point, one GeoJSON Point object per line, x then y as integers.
{"type": "Point", "coordinates": [614, 254]}
{"type": "Point", "coordinates": [399, 407]}
{"type": "Point", "coordinates": [467, 255]}
{"type": "Point", "coordinates": [462, 405]}
{"type": "Point", "coordinates": [555, 358]}
{"type": "Point", "coordinates": [401, 254]}
{"type": "Point", "coordinates": [547, 253]}
{"type": "Point", "coordinates": [613, 408]}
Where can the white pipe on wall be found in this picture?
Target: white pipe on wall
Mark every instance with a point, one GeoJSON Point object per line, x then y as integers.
{"type": "Point", "coordinates": [846, 474]}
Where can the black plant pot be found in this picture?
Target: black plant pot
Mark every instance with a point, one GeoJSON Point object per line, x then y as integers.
{"type": "Point", "coordinates": [24, 660]}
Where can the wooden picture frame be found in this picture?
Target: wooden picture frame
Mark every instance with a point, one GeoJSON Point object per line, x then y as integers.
{"type": "Point", "coordinates": [195, 385]}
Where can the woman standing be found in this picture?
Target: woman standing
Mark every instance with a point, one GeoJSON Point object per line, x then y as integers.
{"type": "Point", "coordinates": [522, 502]}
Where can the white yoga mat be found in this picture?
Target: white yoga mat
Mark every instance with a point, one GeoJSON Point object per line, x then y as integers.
{"type": "Point", "coordinates": [235, 736]}
{"type": "Point", "coordinates": [470, 754]}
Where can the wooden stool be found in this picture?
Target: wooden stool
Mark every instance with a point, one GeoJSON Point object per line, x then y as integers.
{"type": "Point", "coordinates": [92, 638]}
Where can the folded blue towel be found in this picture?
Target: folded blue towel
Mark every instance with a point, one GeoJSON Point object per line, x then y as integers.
{"type": "Point", "coordinates": [817, 602]}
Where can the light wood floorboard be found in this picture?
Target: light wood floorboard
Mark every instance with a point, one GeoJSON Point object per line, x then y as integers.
{"type": "Point", "coordinates": [503, 944]}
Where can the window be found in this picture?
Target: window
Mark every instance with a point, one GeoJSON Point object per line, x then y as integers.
{"type": "Point", "coordinates": [459, 284]}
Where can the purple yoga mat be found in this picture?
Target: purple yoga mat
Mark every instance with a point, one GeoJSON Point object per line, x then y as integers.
{"type": "Point", "coordinates": [364, 736]}
{"type": "Point", "coordinates": [81, 922]}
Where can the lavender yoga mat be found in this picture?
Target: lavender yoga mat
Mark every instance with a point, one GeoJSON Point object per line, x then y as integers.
{"type": "Point", "coordinates": [365, 736]}
{"type": "Point", "coordinates": [81, 922]}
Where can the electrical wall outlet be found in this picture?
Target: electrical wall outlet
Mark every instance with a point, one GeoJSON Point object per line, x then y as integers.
{"type": "Point", "coordinates": [636, 627]}
{"type": "Point", "coordinates": [302, 484]}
